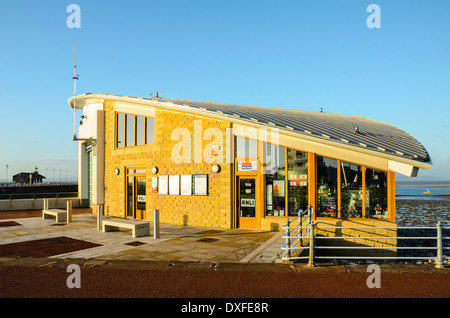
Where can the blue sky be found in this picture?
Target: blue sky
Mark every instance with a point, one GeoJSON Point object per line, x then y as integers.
{"type": "Point", "coordinates": [289, 54]}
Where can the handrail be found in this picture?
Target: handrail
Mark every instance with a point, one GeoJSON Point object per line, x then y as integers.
{"type": "Point", "coordinates": [310, 233]}
{"type": "Point", "coordinates": [293, 241]}
{"type": "Point", "coordinates": [18, 196]}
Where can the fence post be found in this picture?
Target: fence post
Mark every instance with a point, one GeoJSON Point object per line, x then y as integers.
{"type": "Point", "coordinates": [439, 263]}
{"type": "Point", "coordinates": [288, 239]}
{"type": "Point", "coordinates": [156, 224]}
{"type": "Point", "coordinates": [99, 216]}
{"type": "Point", "coordinates": [311, 244]}
{"type": "Point", "coordinates": [300, 226]}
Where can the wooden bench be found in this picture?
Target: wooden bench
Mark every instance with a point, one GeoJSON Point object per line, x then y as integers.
{"type": "Point", "coordinates": [60, 215]}
{"type": "Point", "coordinates": [138, 228]}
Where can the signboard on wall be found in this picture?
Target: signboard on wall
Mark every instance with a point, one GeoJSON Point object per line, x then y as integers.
{"type": "Point", "coordinates": [247, 166]}
{"type": "Point", "coordinates": [174, 185]}
{"type": "Point", "coordinates": [201, 184]}
{"type": "Point", "coordinates": [163, 185]}
{"type": "Point", "coordinates": [154, 184]}
{"type": "Point", "coordinates": [186, 184]}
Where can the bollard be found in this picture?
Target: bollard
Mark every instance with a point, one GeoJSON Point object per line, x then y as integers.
{"type": "Point", "coordinates": [311, 244]}
{"type": "Point", "coordinates": [99, 216]}
{"type": "Point", "coordinates": [69, 211]}
{"type": "Point", "coordinates": [156, 224]}
{"type": "Point", "coordinates": [439, 263]}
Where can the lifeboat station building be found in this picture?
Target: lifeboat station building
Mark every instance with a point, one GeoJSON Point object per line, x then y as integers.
{"type": "Point", "coordinates": [233, 166]}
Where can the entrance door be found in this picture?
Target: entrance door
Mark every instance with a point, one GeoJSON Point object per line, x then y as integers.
{"type": "Point", "coordinates": [136, 197]}
{"type": "Point", "coordinates": [140, 197]}
{"type": "Point", "coordinates": [247, 203]}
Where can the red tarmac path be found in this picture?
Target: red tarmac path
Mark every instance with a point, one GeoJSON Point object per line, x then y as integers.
{"type": "Point", "coordinates": [47, 278]}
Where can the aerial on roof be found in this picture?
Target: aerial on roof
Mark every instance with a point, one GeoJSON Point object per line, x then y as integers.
{"type": "Point", "coordinates": [349, 130]}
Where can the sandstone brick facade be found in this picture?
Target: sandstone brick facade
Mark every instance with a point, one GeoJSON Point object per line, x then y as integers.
{"type": "Point", "coordinates": [213, 210]}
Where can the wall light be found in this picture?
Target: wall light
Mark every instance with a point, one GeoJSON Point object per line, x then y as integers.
{"type": "Point", "coordinates": [117, 171]}
{"type": "Point", "coordinates": [216, 168]}
{"type": "Point", "coordinates": [155, 170]}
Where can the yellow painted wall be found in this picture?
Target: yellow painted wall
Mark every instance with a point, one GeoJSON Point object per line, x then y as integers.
{"type": "Point", "coordinates": [214, 210]}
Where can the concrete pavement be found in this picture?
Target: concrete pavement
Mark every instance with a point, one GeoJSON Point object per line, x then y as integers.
{"type": "Point", "coordinates": [176, 243]}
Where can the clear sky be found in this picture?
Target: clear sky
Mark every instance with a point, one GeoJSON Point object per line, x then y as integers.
{"type": "Point", "coordinates": [289, 54]}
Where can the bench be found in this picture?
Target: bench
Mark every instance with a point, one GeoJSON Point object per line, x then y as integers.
{"type": "Point", "coordinates": [60, 215]}
{"type": "Point", "coordinates": [138, 228]}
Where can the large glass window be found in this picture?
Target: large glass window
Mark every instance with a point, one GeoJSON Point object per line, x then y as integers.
{"type": "Point", "coordinates": [275, 171]}
{"type": "Point", "coordinates": [129, 136]}
{"type": "Point", "coordinates": [297, 167]}
{"type": "Point", "coordinates": [351, 190]}
{"type": "Point", "coordinates": [120, 130]}
{"type": "Point", "coordinates": [140, 130]}
{"type": "Point", "coordinates": [246, 148]}
{"type": "Point", "coordinates": [376, 194]}
{"type": "Point", "coordinates": [326, 186]}
{"type": "Point", "coordinates": [150, 130]}
{"type": "Point", "coordinates": [134, 130]}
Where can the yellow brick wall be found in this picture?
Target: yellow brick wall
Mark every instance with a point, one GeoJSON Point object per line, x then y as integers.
{"type": "Point", "coordinates": [214, 210]}
{"type": "Point", "coordinates": [380, 234]}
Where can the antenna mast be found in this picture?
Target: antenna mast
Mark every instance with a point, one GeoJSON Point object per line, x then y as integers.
{"type": "Point", "coordinates": [75, 78]}
{"type": "Point", "coordinates": [91, 140]}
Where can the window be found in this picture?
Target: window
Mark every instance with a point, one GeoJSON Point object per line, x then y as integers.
{"type": "Point", "coordinates": [140, 130]}
{"type": "Point", "coordinates": [351, 190]}
{"type": "Point", "coordinates": [150, 130]}
{"type": "Point", "coordinates": [376, 194]}
{"type": "Point", "coordinates": [327, 186]}
{"type": "Point", "coordinates": [274, 158]}
{"type": "Point", "coordinates": [120, 130]}
{"type": "Point", "coordinates": [246, 148]}
{"type": "Point", "coordinates": [129, 136]}
{"type": "Point", "coordinates": [134, 130]}
{"type": "Point", "coordinates": [297, 167]}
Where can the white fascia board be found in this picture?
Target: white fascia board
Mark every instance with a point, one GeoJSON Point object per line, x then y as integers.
{"type": "Point", "coordinates": [405, 169]}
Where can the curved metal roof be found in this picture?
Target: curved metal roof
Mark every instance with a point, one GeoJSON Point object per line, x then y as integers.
{"type": "Point", "coordinates": [350, 130]}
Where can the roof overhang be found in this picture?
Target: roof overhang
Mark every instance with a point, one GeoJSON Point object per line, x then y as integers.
{"type": "Point", "coordinates": [396, 163]}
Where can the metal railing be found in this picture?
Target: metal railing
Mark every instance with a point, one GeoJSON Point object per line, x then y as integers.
{"type": "Point", "coordinates": [57, 195]}
{"type": "Point", "coordinates": [294, 231]}
{"type": "Point", "coordinates": [292, 242]}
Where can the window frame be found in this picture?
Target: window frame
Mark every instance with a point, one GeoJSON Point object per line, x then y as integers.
{"type": "Point", "coordinates": [125, 128]}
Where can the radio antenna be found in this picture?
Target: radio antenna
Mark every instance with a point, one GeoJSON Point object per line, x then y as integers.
{"type": "Point", "coordinates": [75, 78]}
{"type": "Point", "coordinates": [91, 140]}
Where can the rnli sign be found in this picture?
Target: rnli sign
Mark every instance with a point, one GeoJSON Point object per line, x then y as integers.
{"type": "Point", "coordinates": [247, 203]}
{"type": "Point", "coordinates": [247, 165]}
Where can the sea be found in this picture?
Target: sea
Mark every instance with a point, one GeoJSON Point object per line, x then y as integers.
{"type": "Point", "coordinates": [414, 208]}
{"type": "Point", "coordinates": [415, 190]}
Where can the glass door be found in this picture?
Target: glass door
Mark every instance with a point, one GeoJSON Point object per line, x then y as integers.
{"type": "Point", "coordinates": [140, 197]}
{"type": "Point", "coordinates": [247, 203]}
{"type": "Point", "coordinates": [136, 194]}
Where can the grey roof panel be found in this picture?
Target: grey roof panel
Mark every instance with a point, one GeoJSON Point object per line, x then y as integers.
{"type": "Point", "coordinates": [371, 134]}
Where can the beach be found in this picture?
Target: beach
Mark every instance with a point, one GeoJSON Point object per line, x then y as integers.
{"type": "Point", "coordinates": [423, 211]}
